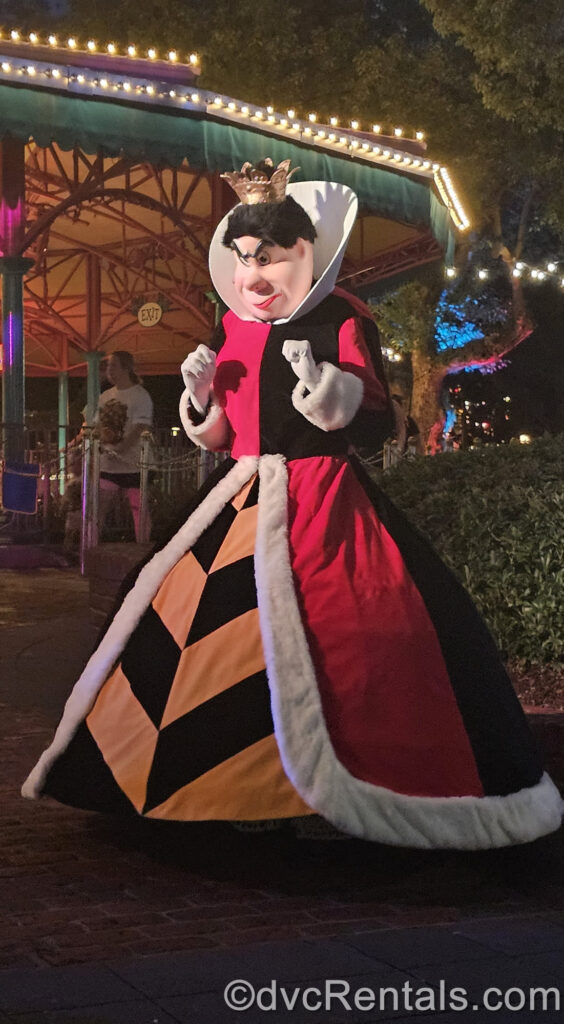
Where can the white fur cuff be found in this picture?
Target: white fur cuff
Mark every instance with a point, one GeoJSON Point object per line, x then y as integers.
{"type": "Point", "coordinates": [333, 402]}
{"type": "Point", "coordinates": [213, 433]}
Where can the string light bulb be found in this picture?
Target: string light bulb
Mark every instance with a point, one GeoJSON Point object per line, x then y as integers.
{"type": "Point", "coordinates": [33, 37]}
{"type": "Point", "coordinates": [321, 135]}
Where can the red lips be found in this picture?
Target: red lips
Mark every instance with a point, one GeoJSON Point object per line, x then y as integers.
{"type": "Point", "coordinates": [267, 302]}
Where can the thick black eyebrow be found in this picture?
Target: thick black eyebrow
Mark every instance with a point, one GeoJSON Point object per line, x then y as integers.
{"type": "Point", "coordinates": [248, 255]}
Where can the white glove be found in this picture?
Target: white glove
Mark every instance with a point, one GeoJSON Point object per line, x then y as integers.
{"type": "Point", "coordinates": [198, 372]}
{"type": "Point", "coordinates": [299, 354]}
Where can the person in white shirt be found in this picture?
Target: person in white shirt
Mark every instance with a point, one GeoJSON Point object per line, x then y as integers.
{"type": "Point", "coordinates": [124, 411]}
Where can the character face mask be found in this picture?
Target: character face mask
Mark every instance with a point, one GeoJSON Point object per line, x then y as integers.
{"type": "Point", "coordinates": [269, 280]}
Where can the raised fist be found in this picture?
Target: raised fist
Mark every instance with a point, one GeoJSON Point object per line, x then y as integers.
{"type": "Point", "coordinates": [198, 371]}
{"type": "Point", "coordinates": [299, 354]}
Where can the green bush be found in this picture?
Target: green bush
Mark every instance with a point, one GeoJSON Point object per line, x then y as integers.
{"type": "Point", "coordinates": [496, 516]}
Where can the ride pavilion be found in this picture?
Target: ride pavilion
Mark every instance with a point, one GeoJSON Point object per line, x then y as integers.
{"type": "Point", "coordinates": [110, 191]}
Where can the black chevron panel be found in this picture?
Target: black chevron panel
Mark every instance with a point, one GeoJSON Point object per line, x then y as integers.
{"type": "Point", "coordinates": [206, 547]}
{"type": "Point", "coordinates": [150, 661]}
{"type": "Point", "coordinates": [214, 731]}
{"type": "Point", "coordinates": [228, 593]}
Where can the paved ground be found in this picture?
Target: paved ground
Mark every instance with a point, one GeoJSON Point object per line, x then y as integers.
{"type": "Point", "coordinates": [146, 923]}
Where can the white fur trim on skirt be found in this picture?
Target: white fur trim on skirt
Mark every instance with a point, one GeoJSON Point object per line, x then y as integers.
{"type": "Point", "coordinates": [135, 604]}
{"type": "Point", "coordinates": [353, 805]}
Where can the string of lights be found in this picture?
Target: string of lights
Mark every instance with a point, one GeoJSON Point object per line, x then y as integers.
{"type": "Point", "coordinates": [372, 145]}
{"type": "Point", "coordinates": [91, 46]}
{"type": "Point", "coordinates": [550, 271]}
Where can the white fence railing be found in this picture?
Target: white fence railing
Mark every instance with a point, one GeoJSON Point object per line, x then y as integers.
{"type": "Point", "coordinates": [168, 466]}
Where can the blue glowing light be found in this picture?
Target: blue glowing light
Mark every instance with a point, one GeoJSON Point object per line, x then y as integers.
{"type": "Point", "coordinates": [450, 420]}
{"type": "Point", "coordinates": [454, 327]}
{"type": "Point", "coordinates": [470, 319]}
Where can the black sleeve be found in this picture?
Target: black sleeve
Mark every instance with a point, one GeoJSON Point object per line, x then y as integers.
{"type": "Point", "coordinates": [371, 427]}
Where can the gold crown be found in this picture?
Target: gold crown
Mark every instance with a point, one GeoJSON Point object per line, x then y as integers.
{"type": "Point", "coordinates": [261, 183]}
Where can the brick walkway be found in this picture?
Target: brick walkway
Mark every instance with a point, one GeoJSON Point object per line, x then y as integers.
{"type": "Point", "coordinates": [77, 888]}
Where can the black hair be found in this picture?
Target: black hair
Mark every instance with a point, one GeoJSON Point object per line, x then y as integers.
{"type": "Point", "coordinates": [277, 223]}
{"type": "Point", "coordinates": [127, 362]}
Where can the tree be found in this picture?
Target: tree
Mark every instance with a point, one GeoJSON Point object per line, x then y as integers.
{"type": "Point", "coordinates": [518, 52]}
{"type": "Point", "coordinates": [299, 55]}
{"type": "Point", "coordinates": [468, 324]}
{"type": "Point", "coordinates": [510, 175]}
{"type": "Point", "coordinates": [406, 319]}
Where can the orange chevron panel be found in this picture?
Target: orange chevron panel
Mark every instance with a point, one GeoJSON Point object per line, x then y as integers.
{"type": "Point", "coordinates": [128, 752]}
{"type": "Point", "coordinates": [178, 597]}
{"type": "Point", "coordinates": [240, 540]}
{"type": "Point", "coordinates": [214, 663]}
{"type": "Point", "coordinates": [240, 498]}
{"type": "Point", "coordinates": [251, 786]}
